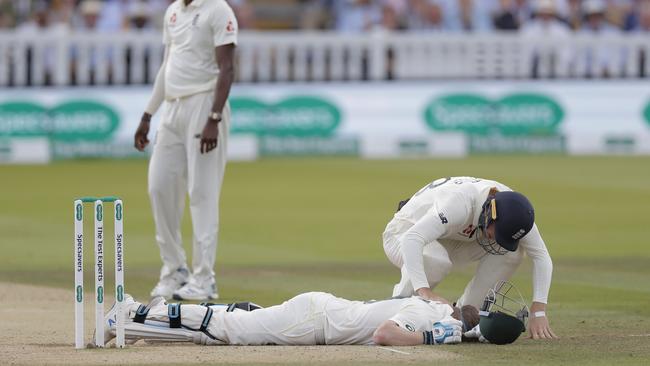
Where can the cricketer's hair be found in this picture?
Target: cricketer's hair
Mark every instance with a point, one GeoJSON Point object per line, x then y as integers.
{"type": "Point", "coordinates": [468, 314]}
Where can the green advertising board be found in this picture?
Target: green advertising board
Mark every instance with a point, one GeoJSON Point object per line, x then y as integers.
{"type": "Point", "coordinates": [518, 122]}
{"type": "Point", "coordinates": [72, 120]}
{"type": "Point", "coordinates": [515, 114]}
{"type": "Point", "coordinates": [295, 116]}
{"type": "Point", "coordinates": [293, 126]}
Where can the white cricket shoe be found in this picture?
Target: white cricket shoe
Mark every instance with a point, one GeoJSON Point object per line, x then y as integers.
{"type": "Point", "coordinates": [110, 319]}
{"type": "Point", "coordinates": [194, 290]}
{"type": "Point", "coordinates": [168, 284]}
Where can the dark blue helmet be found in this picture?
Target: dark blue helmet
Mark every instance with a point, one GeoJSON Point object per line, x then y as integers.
{"type": "Point", "coordinates": [513, 216]}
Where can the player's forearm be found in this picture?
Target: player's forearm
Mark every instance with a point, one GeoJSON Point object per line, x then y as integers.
{"type": "Point", "coordinates": [390, 334]}
{"type": "Point", "coordinates": [542, 264]}
{"type": "Point", "coordinates": [542, 274]}
{"type": "Point", "coordinates": [222, 90]}
{"type": "Point", "coordinates": [158, 93]}
{"type": "Point", "coordinates": [413, 260]}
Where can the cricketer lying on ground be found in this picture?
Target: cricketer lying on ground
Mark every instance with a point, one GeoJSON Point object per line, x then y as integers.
{"type": "Point", "coordinates": [312, 318]}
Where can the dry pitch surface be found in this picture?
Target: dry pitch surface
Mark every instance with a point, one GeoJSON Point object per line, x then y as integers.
{"type": "Point", "coordinates": [37, 328]}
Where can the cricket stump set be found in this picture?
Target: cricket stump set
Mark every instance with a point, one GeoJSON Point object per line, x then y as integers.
{"type": "Point", "coordinates": [98, 214]}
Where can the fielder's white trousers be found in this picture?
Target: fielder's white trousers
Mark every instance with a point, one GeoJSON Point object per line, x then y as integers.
{"type": "Point", "coordinates": [440, 257]}
{"type": "Point", "coordinates": [176, 169]}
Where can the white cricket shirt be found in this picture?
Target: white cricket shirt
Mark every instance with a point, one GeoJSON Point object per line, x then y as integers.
{"type": "Point", "coordinates": [192, 32]}
{"type": "Point", "coordinates": [354, 322]}
{"type": "Point", "coordinates": [448, 209]}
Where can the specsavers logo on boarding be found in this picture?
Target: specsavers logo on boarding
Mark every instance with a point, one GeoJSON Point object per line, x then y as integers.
{"type": "Point", "coordinates": [514, 114]}
{"type": "Point", "coordinates": [71, 120]}
{"type": "Point", "coordinates": [300, 116]}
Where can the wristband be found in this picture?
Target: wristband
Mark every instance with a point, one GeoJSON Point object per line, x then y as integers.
{"type": "Point", "coordinates": [539, 314]}
{"type": "Point", "coordinates": [427, 336]}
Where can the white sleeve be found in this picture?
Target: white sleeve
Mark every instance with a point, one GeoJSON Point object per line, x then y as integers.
{"type": "Point", "coordinates": [158, 94]}
{"type": "Point", "coordinates": [411, 318]}
{"type": "Point", "coordinates": [444, 218]}
{"type": "Point", "coordinates": [534, 246]}
{"type": "Point", "coordinates": [224, 26]}
{"type": "Point", "coordinates": [420, 315]}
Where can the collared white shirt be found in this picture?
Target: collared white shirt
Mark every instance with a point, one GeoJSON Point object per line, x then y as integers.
{"type": "Point", "coordinates": [192, 32]}
{"type": "Point", "coordinates": [447, 210]}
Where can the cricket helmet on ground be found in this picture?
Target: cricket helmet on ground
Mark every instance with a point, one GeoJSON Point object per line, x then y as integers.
{"type": "Point", "coordinates": [503, 315]}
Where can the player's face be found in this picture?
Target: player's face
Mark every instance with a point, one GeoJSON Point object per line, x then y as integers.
{"type": "Point", "coordinates": [489, 233]}
{"type": "Point", "coordinates": [486, 238]}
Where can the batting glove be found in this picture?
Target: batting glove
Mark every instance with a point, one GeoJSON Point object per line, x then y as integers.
{"type": "Point", "coordinates": [444, 333]}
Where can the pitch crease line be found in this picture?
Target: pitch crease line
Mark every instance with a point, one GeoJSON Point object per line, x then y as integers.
{"type": "Point", "coordinates": [394, 350]}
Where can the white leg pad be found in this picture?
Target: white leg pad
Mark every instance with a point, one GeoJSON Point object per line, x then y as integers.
{"type": "Point", "coordinates": [156, 331]}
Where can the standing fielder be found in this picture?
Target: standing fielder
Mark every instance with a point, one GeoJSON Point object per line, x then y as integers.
{"type": "Point", "coordinates": [454, 221]}
{"type": "Point", "coordinates": [307, 319]}
{"type": "Point", "coordinates": [189, 153]}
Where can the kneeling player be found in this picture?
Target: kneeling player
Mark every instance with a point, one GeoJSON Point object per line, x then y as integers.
{"type": "Point", "coordinates": [308, 319]}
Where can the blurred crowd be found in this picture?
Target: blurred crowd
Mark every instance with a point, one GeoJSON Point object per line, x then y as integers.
{"type": "Point", "coordinates": [555, 16]}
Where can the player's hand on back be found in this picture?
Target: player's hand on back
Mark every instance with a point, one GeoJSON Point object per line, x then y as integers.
{"type": "Point", "coordinates": [140, 139]}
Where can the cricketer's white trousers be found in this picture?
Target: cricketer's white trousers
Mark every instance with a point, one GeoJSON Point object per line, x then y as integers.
{"type": "Point", "coordinates": [300, 320]}
{"type": "Point", "coordinates": [177, 168]}
{"type": "Point", "coordinates": [440, 257]}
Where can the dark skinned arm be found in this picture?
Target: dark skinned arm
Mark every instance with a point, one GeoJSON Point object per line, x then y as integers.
{"type": "Point", "coordinates": [225, 60]}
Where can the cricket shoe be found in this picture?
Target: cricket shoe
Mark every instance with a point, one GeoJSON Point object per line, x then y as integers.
{"type": "Point", "coordinates": [170, 283]}
{"type": "Point", "coordinates": [110, 320]}
{"type": "Point", "coordinates": [194, 290]}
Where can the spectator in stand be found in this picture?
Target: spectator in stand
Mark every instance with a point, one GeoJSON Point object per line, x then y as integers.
{"type": "Point", "coordinates": [139, 16]}
{"type": "Point", "coordinates": [616, 11]}
{"type": "Point", "coordinates": [390, 19]}
{"type": "Point", "coordinates": [643, 25]}
{"type": "Point", "coordinates": [544, 34]}
{"type": "Point", "coordinates": [89, 10]}
{"type": "Point", "coordinates": [467, 15]}
{"type": "Point", "coordinates": [40, 24]}
{"type": "Point", "coordinates": [634, 14]}
{"type": "Point", "coordinates": [505, 18]}
{"type": "Point", "coordinates": [424, 15]}
{"type": "Point", "coordinates": [599, 60]}
{"type": "Point", "coordinates": [355, 16]}
{"type": "Point", "coordinates": [38, 19]}
{"type": "Point", "coordinates": [114, 16]}
{"type": "Point", "coordinates": [7, 14]}
{"type": "Point", "coordinates": [62, 12]}
{"type": "Point", "coordinates": [574, 16]}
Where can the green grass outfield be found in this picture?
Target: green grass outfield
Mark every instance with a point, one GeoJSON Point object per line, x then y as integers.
{"type": "Point", "coordinates": [295, 225]}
